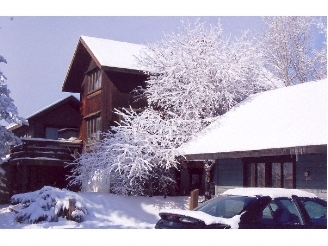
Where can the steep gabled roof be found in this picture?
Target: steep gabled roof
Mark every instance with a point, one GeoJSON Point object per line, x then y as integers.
{"type": "Point", "coordinates": [284, 118]}
{"type": "Point", "coordinates": [107, 54]}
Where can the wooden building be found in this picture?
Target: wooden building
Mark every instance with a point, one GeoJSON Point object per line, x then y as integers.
{"type": "Point", "coordinates": [104, 72]}
{"type": "Point", "coordinates": [53, 121]}
{"type": "Point", "coordinates": [277, 138]}
{"type": "Point", "coordinates": [48, 143]}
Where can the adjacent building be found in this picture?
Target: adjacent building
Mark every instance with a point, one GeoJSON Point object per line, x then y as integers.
{"type": "Point", "coordinates": [47, 144]}
{"type": "Point", "coordinates": [276, 138]}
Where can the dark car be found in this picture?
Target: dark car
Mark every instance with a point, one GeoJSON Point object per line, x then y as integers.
{"type": "Point", "coordinates": [252, 208]}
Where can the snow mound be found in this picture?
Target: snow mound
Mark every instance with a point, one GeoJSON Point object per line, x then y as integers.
{"type": "Point", "coordinates": [46, 204]}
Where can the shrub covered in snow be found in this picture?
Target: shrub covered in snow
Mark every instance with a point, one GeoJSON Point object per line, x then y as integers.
{"type": "Point", "coordinates": [46, 204]}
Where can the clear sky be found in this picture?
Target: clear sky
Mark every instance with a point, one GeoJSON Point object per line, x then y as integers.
{"type": "Point", "coordinates": [39, 49]}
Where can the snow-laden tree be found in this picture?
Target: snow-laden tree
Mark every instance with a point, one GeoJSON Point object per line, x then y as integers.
{"type": "Point", "coordinates": [137, 153]}
{"type": "Point", "coordinates": [8, 113]}
{"type": "Point", "coordinates": [289, 49]}
{"type": "Point", "coordinates": [198, 73]}
{"type": "Point", "coordinates": [195, 76]}
{"type": "Point", "coordinates": [321, 55]}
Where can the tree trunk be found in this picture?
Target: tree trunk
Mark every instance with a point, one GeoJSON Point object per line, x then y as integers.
{"type": "Point", "coordinates": [208, 166]}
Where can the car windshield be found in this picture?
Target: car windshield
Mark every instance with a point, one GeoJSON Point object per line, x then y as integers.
{"type": "Point", "coordinates": [225, 206]}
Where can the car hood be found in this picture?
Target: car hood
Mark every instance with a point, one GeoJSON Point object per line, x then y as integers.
{"type": "Point", "coordinates": [208, 219]}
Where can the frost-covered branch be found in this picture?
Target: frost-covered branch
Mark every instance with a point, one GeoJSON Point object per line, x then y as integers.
{"type": "Point", "coordinates": [289, 49]}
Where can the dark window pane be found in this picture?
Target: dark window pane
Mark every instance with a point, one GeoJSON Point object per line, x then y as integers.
{"type": "Point", "coordinates": [285, 212]}
{"type": "Point", "coordinates": [250, 172]}
{"type": "Point", "coordinates": [260, 174]}
{"type": "Point", "coordinates": [51, 133]}
{"type": "Point", "coordinates": [317, 211]}
{"type": "Point", "coordinates": [225, 206]}
{"type": "Point", "coordinates": [288, 175]}
{"type": "Point", "coordinates": [276, 174]}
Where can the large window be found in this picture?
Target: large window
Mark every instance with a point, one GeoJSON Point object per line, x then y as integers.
{"type": "Point", "coordinates": [93, 129]}
{"type": "Point", "coordinates": [269, 172]}
{"type": "Point", "coordinates": [94, 80]}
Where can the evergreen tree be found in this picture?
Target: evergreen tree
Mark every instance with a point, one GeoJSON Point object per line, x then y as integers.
{"type": "Point", "coordinates": [8, 113]}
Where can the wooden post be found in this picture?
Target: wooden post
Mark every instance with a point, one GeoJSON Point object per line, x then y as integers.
{"type": "Point", "coordinates": [71, 207]}
{"type": "Point", "coordinates": [193, 199]}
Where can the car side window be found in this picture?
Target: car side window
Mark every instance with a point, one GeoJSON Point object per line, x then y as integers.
{"type": "Point", "coordinates": [280, 211]}
{"type": "Point", "coordinates": [317, 211]}
{"type": "Point", "coordinates": [267, 217]}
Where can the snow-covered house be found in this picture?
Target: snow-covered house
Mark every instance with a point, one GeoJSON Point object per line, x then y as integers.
{"type": "Point", "coordinates": [47, 144]}
{"type": "Point", "coordinates": [277, 138]}
{"type": "Point", "coordinates": [104, 72]}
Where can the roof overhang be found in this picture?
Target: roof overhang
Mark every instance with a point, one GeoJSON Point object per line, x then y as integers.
{"type": "Point", "coordinates": [301, 150]}
{"type": "Point", "coordinates": [79, 64]}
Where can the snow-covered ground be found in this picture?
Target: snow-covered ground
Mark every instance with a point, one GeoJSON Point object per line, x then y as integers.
{"type": "Point", "coordinates": [105, 210]}
{"type": "Point", "coordinates": [109, 211]}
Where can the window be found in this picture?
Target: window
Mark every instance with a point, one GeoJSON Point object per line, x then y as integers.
{"type": "Point", "coordinates": [256, 175]}
{"type": "Point", "coordinates": [94, 80]}
{"type": "Point", "coordinates": [316, 209]}
{"type": "Point", "coordinates": [93, 129]}
{"type": "Point", "coordinates": [51, 133]}
{"type": "Point", "coordinates": [225, 206]}
{"type": "Point", "coordinates": [281, 211]}
{"type": "Point", "coordinates": [269, 172]}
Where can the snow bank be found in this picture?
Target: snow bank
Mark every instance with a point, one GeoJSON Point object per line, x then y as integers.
{"type": "Point", "coordinates": [104, 210]}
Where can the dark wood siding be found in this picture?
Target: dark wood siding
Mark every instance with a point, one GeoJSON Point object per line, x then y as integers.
{"type": "Point", "coordinates": [115, 92]}
{"type": "Point", "coordinates": [316, 165]}
{"type": "Point", "coordinates": [65, 115]}
{"type": "Point", "coordinates": [228, 172]}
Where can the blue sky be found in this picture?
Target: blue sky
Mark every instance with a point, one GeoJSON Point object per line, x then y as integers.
{"type": "Point", "coordinates": [39, 49]}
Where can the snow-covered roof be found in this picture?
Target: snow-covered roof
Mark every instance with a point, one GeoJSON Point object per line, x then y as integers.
{"type": "Point", "coordinates": [282, 118]}
{"type": "Point", "coordinates": [106, 53]}
{"type": "Point", "coordinates": [112, 53]}
{"type": "Point", "coordinates": [271, 192]}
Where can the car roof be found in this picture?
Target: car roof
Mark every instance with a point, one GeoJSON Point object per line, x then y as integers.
{"type": "Point", "coordinates": [271, 192]}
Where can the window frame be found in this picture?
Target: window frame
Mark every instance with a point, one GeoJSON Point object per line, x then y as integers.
{"type": "Point", "coordinates": [252, 165]}
{"type": "Point", "coordinates": [93, 128]}
{"type": "Point", "coordinates": [94, 80]}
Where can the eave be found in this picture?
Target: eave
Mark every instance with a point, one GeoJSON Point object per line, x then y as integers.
{"type": "Point", "coordinates": [311, 149]}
